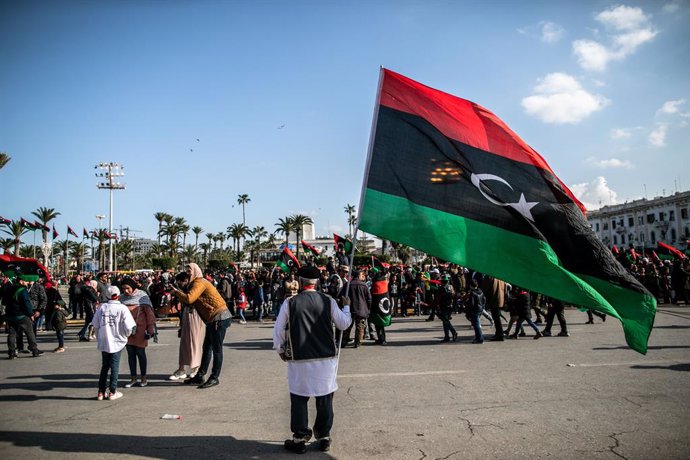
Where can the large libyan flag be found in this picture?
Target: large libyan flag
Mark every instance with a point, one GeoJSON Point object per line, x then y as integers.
{"type": "Point", "coordinates": [446, 176]}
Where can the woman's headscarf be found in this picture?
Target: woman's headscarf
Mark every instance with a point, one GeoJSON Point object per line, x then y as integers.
{"type": "Point", "coordinates": [196, 272]}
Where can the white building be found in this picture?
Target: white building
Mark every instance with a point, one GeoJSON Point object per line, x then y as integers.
{"type": "Point", "coordinates": [644, 222]}
{"type": "Point", "coordinates": [141, 246]}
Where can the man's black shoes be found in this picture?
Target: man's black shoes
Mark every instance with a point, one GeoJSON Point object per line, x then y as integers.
{"type": "Point", "coordinates": [198, 379]}
{"type": "Point", "coordinates": [298, 447]}
{"type": "Point", "coordinates": [36, 353]}
{"type": "Point", "coordinates": [212, 382]}
{"type": "Point", "coordinates": [325, 444]}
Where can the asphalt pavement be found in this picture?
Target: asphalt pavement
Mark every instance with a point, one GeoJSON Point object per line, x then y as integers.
{"type": "Point", "coordinates": [584, 396]}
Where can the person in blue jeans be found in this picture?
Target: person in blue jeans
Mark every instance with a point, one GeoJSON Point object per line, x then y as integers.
{"type": "Point", "coordinates": [113, 324]}
{"type": "Point", "coordinates": [522, 310]}
{"type": "Point", "coordinates": [474, 306]}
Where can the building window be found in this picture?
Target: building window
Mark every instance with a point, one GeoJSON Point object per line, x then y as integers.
{"type": "Point", "coordinates": [684, 213]}
{"type": "Point", "coordinates": [662, 216]}
{"type": "Point", "coordinates": [672, 216]}
{"type": "Point", "coordinates": [613, 224]}
{"type": "Point", "coordinates": [650, 218]}
{"type": "Point", "coordinates": [652, 237]}
{"type": "Point", "coordinates": [631, 237]}
{"type": "Point", "coordinates": [673, 235]}
{"type": "Point", "coordinates": [631, 222]}
{"type": "Point", "coordinates": [640, 220]}
{"type": "Point", "coordinates": [606, 226]}
{"type": "Point", "coordinates": [615, 239]}
{"type": "Point", "coordinates": [622, 239]}
{"type": "Point", "coordinates": [687, 232]}
{"type": "Point", "coordinates": [641, 237]}
{"type": "Point", "coordinates": [597, 226]}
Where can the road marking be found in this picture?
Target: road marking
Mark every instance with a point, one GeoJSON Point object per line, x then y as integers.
{"type": "Point", "coordinates": [636, 363]}
{"type": "Point", "coordinates": [398, 374]}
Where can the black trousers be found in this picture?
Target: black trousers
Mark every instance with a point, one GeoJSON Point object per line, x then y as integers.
{"type": "Point", "coordinates": [496, 316]}
{"type": "Point", "coordinates": [299, 416]}
{"type": "Point", "coordinates": [16, 329]}
{"type": "Point", "coordinates": [556, 310]}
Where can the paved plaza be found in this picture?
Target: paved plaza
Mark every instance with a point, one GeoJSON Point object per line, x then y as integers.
{"type": "Point", "coordinates": [583, 397]}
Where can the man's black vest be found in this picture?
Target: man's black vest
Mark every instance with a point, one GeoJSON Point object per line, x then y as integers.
{"type": "Point", "coordinates": [310, 326]}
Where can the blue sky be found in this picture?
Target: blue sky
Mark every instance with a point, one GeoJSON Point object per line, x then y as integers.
{"type": "Point", "coordinates": [281, 97]}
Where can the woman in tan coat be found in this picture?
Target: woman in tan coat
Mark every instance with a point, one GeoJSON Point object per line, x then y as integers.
{"type": "Point", "coordinates": [206, 300]}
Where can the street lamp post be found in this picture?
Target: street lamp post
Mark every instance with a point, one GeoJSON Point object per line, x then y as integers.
{"type": "Point", "coordinates": [109, 172]}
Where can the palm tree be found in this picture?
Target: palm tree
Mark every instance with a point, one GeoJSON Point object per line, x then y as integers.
{"type": "Point", "coordinates": [4, 159]}
{"type": "Point", "coordinates": [352, 221]}
{"type": "Point", "coordinates": [189, 253]}
{"type": "Point", "coordinates": [237, 232]}
{"type": "Point", "coordinates": [197, 231]}
{"type": "Point", "coordinates": [350, 211]}
{"type": "Point", "coordinates": [76, 252]}
{"type": "Point", "coordinates": [102, 238]}
{"type": "Point", "coordinates": [125, 250]}
{"type": "Point", "coordinates": [243, 199]}
{"type": "Point", "coordinates": [285, 226]}
{"type": "Point", "coordinates": [6, 244]}
{"type": "Point", "coordinates": [63, 246]}
{"type": "Point", "coordinates": [15, 229]}
{"type": "Point", "coordinates": [45, 215]}
{"type": "Point", "coordinates": [160, 217]}
{"type": "Point", "coordinates": [205, 247]}
{"type": "Point", "coordinates": [299, 221]}
{"type": "Point", "coordinates": [221, 238]}
{"type": "Point", "coordinates": [182, 228]}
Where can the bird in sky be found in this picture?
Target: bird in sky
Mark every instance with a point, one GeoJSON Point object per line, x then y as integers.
{"type": "Point", "coordinates": [281, 126]}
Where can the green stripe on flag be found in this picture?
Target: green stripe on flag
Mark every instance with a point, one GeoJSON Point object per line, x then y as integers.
{"type": "Point", "coordinates": [518, 259]}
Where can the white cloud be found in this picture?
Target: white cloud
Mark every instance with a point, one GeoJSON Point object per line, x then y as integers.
{"type": "Point", "coordinates": [551, 32]}
{"type": "Point", "coordinates": [621, 133]}
{"type": "Point", "coordinates": [546, 31]}
{"type": "Point", "coordinates": [594, 194]}
{"type": "Point", "coordinates": [631, 30]}
{"type": "Point", "coordinates": [611, 163]}
{"type": "Point", "coordinates": [657, 137]}
{"type": "Point", "coordinates": [622, 17]}
{"type": "Point", "coordinates": [591, 55]}
{"type": "Point", "coordinates": [559, 98]}
{"type": "Point", "coordinates": [671, 108]}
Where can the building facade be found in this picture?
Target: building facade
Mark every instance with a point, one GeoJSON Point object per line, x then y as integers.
{"type": "Point", "coordinates": [644, 222]}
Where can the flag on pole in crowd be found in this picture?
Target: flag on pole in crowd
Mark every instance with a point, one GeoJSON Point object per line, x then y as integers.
{"type": "Point", "coordinates": [27, 224]}
{"type": "Point", "coordinates": [615, 250]}
{"type": "Point", "coordinates": [377, 264]}
{"type": "Point", "coordinates": [655, 257]}
{"type": "Point", "coordinates": [669, 251]}
{"type": "Point", "coordinates": [232, 268]}
{"type": "Point", "coordinates": [26, 268]}
{"type": "Point", "coordinates": [40, 225]}
{"type": "Point", "coordinates": [5, 221]}
{"type": "Point", "coordinates": [287, 261]}
{"type": "Point", "coordinates": [309, 248]}
{"type": "Point", "coordinates": [342, 243]}
{"type": "Point", "coordinates": [85, 234]}
{"type": "Point", "coordinates": [71, 232]}
{"type": "Point", "coordinates": [55, 233]}
{"type": "Point", "coordinates": [447, 176]}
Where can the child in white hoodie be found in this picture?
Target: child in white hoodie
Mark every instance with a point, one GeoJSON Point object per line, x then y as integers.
{"type": "Point", "coordinates": [113, 324]}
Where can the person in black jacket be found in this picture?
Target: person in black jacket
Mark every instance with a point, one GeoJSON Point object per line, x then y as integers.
{"type": "Point", "coordinates": [19, 313]}
{"type": "Point", "coordinates": [360, 305]}
{"type": "Point", "coordinates": [522, 310]}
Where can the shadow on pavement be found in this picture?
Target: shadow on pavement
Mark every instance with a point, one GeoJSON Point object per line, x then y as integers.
{"type": "Point", "coordinates": [683, 367]}
{"type": "Point", "coordinates": [672, 326]}
{"type": "Point", "coordinates": [264, 344]}
{"type": "Point", "coordinates": [656, 347]}
{"type": "Point", "coordinates": [153, 447]}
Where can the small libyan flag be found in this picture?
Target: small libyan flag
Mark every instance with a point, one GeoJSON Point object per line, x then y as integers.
{"type": "Point", "coordinates": [669, 251]}
{"type": "Point", "coordinates": [342, 243]}
{"type": "Point", "coordinates": [85, 233]}
{"type": "Point", "coordinates": [55, 233]}
{"type": "Point", "coordinates": [232, 268]}
{"type": "Point", "coordinates": [72, 232]}
{"type": "Point", "coordinates": [309, 248]}
{"type": "Point", "coordinates": [287, 261]}
{"type": "Point", "coordinates": [4, 221]}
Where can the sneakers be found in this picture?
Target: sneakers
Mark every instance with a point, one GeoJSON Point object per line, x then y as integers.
{"type": "Point", "coordinates": [143, 383]}
{"type": "Point", "coordinates": [455, 336]}
{"type": "Point", "coordinates": [100, 396]}
{"type": "Point", "coordinates": [114, 396]}
{"type": "Point", "coordinates": [59, 350]}
{"type": "Point", "coordinates": [563, 334]}
{"type": "Point", "coordinates": [36, 353]}
{"type": "Point", "coordinates": [83, 339]}
{"type": "Point", "coordinates": [13, 356]}
{"type": "Point", "coordinates": [298, 447]}
{"type": "Point", "coordinates": [178, 375]}
{"type": "Point", "coordinates": [243, 321]}
{"type": "Point", "coordinates": [539, 334]}
{"type": "Point", "coordinates": [131, 383]}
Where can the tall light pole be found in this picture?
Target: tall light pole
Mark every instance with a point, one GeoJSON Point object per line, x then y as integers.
{"type": "Point", "coordinates": [109, 172]}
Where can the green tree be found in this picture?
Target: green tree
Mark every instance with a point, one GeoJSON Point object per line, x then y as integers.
{"type": "Point", "coordinates": [243, 200]}
{"type": "Point", "coordinates": [125, 253]}
{"type": "Point", "coordinates": [285, 226]}
{"type": "Point", "coordinates": [62, 246]}
{"type": "Point", "coordinates": [205, 247]}
{"type": "Point", "coordinates": [45, 215]}
{"type": "Point", "coordinates": [299, 221]}
{"type": "Point", "coordinates": [197, 231]}
{"type": "Point", "coordinates": [237, 232]}
{"type": "Point", "coordinates": [350, 211]}
{"type": "Point", "coordinates": [15, 229]}
{"type": "Point", "coordinates": [161, 217]}
{"type": "Point", "coordinates": [77, 253]}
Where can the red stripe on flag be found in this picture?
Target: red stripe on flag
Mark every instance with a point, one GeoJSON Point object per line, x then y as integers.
{"type": "Point", "coordinates": [461, 120]}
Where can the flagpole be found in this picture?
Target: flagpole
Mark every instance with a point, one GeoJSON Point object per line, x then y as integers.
{"type": "Point", "coordinates": [372, 135]}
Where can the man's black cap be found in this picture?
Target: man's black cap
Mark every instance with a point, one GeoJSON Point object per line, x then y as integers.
{"type": "Point", "coordinates": [309, 272]}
